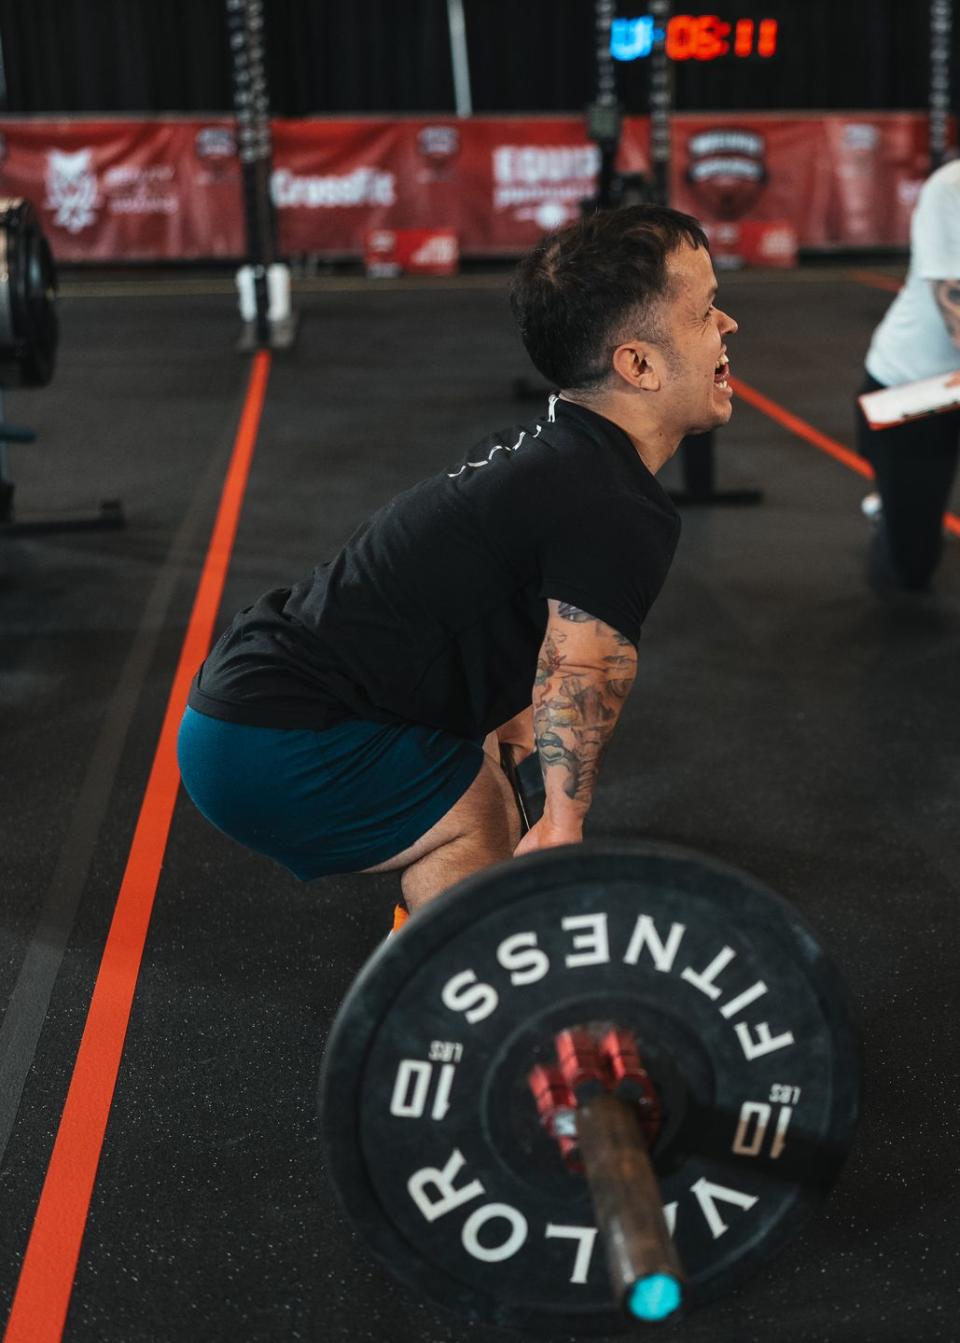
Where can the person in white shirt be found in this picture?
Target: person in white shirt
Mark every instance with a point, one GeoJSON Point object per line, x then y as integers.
{"type": "Point", "coordinates": [919, 337]}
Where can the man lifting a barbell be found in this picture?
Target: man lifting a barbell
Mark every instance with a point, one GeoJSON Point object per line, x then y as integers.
{"type": "Point", "coordinates": [338, 725]}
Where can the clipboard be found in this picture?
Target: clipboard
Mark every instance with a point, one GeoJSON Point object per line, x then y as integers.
{"type": "Point", "coordinates": [911, 401]}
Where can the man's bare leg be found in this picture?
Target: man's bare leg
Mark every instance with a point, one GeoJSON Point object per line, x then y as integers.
{"type": "Point", "coordinates": [480, 829]}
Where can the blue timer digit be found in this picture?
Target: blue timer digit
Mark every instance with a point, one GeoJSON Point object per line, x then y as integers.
{"type": "Point", "coordinates": [631, 38]}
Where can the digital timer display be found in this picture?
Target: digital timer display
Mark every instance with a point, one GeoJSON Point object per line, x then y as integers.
{"type": "Point", "coordinates": [694, 37]}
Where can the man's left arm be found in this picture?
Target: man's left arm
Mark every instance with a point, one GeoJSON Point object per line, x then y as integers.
{"type": "Point", "coordinates": [585, 671]}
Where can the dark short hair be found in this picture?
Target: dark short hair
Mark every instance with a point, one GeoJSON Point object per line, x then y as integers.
{"type": "Point", "coordinates": [593, 281]}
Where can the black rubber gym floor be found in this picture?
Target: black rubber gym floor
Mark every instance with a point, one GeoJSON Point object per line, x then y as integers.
{"type": "Point", "coordinates": [787, 718]}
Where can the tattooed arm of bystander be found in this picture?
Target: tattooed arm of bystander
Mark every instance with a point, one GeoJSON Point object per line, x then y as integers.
{"type": "Point", "coordinates": [947, 296]}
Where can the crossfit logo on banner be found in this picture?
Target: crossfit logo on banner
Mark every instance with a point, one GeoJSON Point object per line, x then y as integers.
{"type": "Point", "coordinates": [544, 183]}
{"type": "Point", "coordinates": [727, 171]}
{"type": "Point", "coordinates": [72, 189]}
{"type": "Point", "coordinates": [363, 186]}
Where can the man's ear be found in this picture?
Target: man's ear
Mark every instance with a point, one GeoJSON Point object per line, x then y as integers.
{"type": "Point", "coordinates": [638, 366]}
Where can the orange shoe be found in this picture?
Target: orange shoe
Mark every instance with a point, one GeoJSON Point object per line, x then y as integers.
{"type": "Point", "coordinates": [400, 916]}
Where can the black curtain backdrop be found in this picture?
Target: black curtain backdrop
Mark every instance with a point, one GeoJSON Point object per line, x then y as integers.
{"type": "Point", "coordinates": [370, 56]}
{"type": "Point", "coordinates": [88, 56]}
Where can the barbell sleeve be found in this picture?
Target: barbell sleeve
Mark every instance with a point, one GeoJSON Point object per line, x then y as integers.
{"type": "Point", "coordinates": [645, 1270]}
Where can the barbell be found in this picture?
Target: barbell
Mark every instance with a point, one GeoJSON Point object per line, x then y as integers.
{"type": "Point", "coordinates": [590, 1086]}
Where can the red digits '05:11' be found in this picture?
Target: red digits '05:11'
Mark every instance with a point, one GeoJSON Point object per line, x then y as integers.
{"type": "Point", "coordinates": [704, 37]}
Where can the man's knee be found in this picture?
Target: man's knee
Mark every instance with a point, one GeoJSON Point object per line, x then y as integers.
{"type": "Point", "coordinates": [482, 828]}
{"type": "Point", "coordinates": [484, 818]}
{"type": "Point", "coordinates": [488, 804]}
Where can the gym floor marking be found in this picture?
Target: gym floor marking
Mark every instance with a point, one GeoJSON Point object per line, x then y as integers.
{"type": "Point", "coordinates": [29, 1001]}
{"type": "Point", "coordinates": [46, 1277]}
{"type": "Point", "coordinates": [876, 280]}
{"type": "Point", "coordinates": [806, 431]}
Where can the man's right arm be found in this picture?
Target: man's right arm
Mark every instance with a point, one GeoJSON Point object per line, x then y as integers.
{"type": "Point", "coordinates": [585, 672]}
{"type": "Point", "coordinates": [947, 296]}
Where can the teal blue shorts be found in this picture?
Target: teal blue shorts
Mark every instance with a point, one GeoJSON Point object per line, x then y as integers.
{"type": "Point", "coordinates": [340, 800]}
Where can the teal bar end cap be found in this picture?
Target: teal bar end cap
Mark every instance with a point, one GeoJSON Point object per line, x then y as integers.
{"type": "Point", "coordinates": [654, 1298]}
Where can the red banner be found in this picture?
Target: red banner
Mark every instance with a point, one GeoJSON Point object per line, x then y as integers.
{"type": "Point", "coordinates": [128, 190]}
{"type": "Point", "coordinates": [171, 189]}
{"type": "Point", "coordinates": [843, 181]}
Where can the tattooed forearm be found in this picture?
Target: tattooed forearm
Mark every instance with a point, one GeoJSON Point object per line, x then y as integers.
{"type": "Point", "coordinates": [947, 294]}
{"type": "Point", "coordinates": [581, 684]}
{"type": "Point", "coordinates": [572, 726]}
{"type": "Point", "coordinates": [549, 661]}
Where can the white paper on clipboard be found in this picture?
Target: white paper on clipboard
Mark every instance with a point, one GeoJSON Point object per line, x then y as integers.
{"type": "Point", "coordinates": [911, 401]}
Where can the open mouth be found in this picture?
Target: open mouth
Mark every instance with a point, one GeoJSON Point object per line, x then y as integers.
{"type": "Point", "coordinates": [721, 371]}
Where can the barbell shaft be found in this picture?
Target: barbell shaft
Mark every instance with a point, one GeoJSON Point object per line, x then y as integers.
{"type": "Point", "coordinates": [645, 1271]}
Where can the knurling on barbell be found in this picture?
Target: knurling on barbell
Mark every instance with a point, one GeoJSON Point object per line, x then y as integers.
{"type": "Point", "coordinates": [448, 1165]}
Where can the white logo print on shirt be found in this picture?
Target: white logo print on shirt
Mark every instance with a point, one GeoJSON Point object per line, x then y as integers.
{"type": "Point", "coordinates": [504, 447]}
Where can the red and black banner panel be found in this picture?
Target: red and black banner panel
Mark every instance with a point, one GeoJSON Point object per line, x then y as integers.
{"type": "Point", "coordinates": [168, 189]}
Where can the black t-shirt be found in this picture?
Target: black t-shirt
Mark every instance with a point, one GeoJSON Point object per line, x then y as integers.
{"type": "Point", "coordinates": [435, 609]}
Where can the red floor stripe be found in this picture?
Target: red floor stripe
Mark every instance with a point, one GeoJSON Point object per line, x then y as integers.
{"type": "Point", "coordinates": [876, 280]}
{"type": "Point", "coordinates": [49, 1266]}
{"type": "Point", "coordinates": [802, 429]}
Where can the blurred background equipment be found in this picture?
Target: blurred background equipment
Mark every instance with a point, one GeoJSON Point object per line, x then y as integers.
{"type": "Point", "coordinates": [459, 58]}
{"type": "Point", "coordinates": [263, 282]}
{"type": "Point", "coordinates": [28, 314]}
{"type": "Point", "coordinates": [605, 115]}
{"type": "Point", "coordinates": [941, 26]}
{"type": "Point", "coordinates": [29, 334]}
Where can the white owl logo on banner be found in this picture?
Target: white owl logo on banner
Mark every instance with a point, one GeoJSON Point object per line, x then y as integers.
{"type": "Point", "coordinates": [72, 189]}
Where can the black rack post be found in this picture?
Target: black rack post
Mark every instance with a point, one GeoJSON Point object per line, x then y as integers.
{"type": "Point", "coordinates": [604, 121]}
{"type": "Point", "coordinates": [699, 473]}
{"type": "Point", "coordinates": [604, 117]}
{"type": "Point", "coordinates": [697, 459]}
{"type": "Point", "coordinates": [273, 326]}
{"type": "Point", "coordinates": [941, 23]}
{"type": "Point", "coordinates": [660, 102]}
